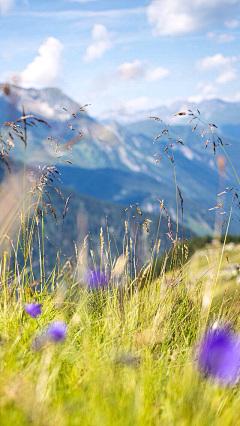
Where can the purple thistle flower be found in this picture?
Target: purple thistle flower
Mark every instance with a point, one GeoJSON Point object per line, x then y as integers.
{"type": "Point", "coordinates": [219, 355]}
{"type": "Point", "coordinates": [96, 279]}
{"type": "Point", "coordinates": [56, 331]}
{"type": "Point", "coordinates": [33, 309]}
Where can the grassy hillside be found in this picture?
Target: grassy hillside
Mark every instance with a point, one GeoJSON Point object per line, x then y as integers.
{"type": "Point", "coordinates": [203, 268]}
{"type": "Point", "coordinates": [129, 358]}
{"type": "Point", "coordinates": [101, 334]}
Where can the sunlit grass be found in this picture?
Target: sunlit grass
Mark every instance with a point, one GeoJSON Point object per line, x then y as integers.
{"type": "Point", "coordinates": [126, 360]}
{"type": "Point", "coordinates": [130, 352]}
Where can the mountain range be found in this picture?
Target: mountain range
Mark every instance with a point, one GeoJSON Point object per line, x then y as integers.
{"type": "Point", "coordinates": [225, 113]}
{"type": "Point", "coordinates": [119, 163]}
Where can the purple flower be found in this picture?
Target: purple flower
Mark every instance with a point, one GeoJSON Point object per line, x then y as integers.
{"type": "Point", "coordinates": [219, 355]}
{"type": "Point", "coordinates": [33, 309]}
{"type": "Point", "coordinates": [96, 279]}
{"type": "Point", "coordinates": [56, 331]}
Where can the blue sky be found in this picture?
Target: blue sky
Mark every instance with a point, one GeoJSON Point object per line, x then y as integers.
{"type": "Point", "coordinates": [123, 55]}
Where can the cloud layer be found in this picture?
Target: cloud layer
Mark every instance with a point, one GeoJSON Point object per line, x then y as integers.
{"type": "Point", "coordinates": [101, 42]}
{"type": "Point", "coordinates": [45, 67]}
{"type": "Point", "coordinates": [178, 17]}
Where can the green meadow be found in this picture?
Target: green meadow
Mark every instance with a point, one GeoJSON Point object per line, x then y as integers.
{"type": "Point", "coordinates": [129, 356]}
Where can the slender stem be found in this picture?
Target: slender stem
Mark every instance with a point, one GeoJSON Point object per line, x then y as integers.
{"type": "Point", "coordinates": [220, 262]}
{"type": "Point", "coordinates": [25, 250]}
{"type": "Point", "coordinates": [231, 164]}
{"type": "Point", "coordinates": [40, 258]}
{"type": "Point", "coordinates": [43, 254]}
{"type": "Point", "coordinates": [225, 152]}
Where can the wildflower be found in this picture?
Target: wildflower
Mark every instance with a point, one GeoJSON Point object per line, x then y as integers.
{"type": "Point", "coordinates": [56, 331]}
{"type": "Point", "coordinates": [219, 355]}
{"type": "Point", "coordinates": [33, 309]}
{"type": "Point", "coordinates": [96, 279]}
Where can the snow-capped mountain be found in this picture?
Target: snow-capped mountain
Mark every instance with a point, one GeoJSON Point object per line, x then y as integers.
{"type": "Point", "coordinates": [214, 110]}
{"type": "Point", "coordinates": [120, 163]}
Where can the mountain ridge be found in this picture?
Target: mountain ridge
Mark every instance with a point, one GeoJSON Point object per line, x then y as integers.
{"type": "Point", "coordinates": [123, 158]}
{"type": "Point", "coordinates": [226, 111]}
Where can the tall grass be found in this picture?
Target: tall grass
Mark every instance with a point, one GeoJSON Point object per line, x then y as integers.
{"type": "Point", "coordinates": [129, 357]}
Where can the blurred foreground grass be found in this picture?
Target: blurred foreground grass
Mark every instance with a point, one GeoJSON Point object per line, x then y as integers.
{"type": "Point", "coordinates": [203, 266]}
{"type": "Point", "coordinates": [129, 357]}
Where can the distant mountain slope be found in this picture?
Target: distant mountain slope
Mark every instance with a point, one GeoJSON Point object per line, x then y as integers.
{"type": "Point", "coordinates": [194, 145]}
{"type": "Point", "coordinates": [117, 163]}
{"type": "Point", "coordinates": [130, 187]}
{"type": "Point", "coordinates": [87, 215]}
{"type": "Point", "coordinates": [213, 110]}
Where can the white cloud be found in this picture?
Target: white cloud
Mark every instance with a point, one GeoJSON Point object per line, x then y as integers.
{"type": "Point", "coordinates": [177, 17]}
{"type": "Point", "coordinates": [207, 91]}
{"type": "Point", "coordinates": [101, 42]}
{"type": "Point", "coordinates": [220, 38]}
{"type": "Point", "coordinates": [220, 63]}
{"type": "Point", "coordinates": [155, 74]}
{"type": "Point", "coordinates": [231, 24]}
{"type": "Point", "coordinates": [139, 104]}
{"type": "Point", "coordinates": [6, 5]}
{"type": "Point", "coordinates": [137, 69]}
{"type": "Point", "coordinates": [130, 70]}
{"type": "Point", "coordinates": [227, 76]}
{"type": "Point", "coordinates": [45, 67]}
{"type": "Point", "coordinates": [233, 98]}
{"type": "Point", "coordinates": [215, 62]}
{"type": "Point", "coordinates": [237, 97]}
